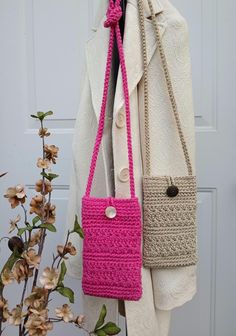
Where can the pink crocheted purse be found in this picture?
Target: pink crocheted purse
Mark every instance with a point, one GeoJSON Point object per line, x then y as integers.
{"type": "Point", "coordinates": [112, 244]}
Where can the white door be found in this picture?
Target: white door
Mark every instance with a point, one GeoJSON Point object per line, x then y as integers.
{"type": "Point", "coordinates": [41, 65]}
{"type": "Point", "coordinates": [213, 50]}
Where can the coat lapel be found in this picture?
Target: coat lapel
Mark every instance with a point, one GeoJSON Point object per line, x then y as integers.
{"type": "Point", "coordinates": [96, 53]}
{"type": "Point", "coordinates": [133, 47]}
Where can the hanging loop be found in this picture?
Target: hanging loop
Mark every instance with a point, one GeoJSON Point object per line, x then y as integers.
{"type": "Point", "coordinates": [114, 14]}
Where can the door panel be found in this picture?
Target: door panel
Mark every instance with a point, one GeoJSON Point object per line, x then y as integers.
{"type": "Point", "coordinates": [41, 67]}
{"type": "Point", "coordinates": [213, 50]}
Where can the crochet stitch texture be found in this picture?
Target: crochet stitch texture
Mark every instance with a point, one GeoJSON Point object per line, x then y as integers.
{"type": "Point", "coordinates": [169, 226]}
{"type": "Point", "coordinates": [169, 233]}
{"type": "Point", "coordinates": [112, 256]}
{"type": "Point", "coordinates": [111, 250]}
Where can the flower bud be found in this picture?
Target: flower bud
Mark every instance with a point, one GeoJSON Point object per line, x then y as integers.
{"type": "Point", "coordinates": [16, 243]}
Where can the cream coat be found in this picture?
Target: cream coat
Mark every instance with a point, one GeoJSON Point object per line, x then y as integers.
{"type": "Point", "coordinates": [163, 290]}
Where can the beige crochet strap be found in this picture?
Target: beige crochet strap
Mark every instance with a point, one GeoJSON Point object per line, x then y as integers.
{"type": "Point", "coordinates": [169, 88]}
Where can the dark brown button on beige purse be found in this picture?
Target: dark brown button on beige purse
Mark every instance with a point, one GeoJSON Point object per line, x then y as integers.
{"type": "Point", "coordinates": [169, 206]}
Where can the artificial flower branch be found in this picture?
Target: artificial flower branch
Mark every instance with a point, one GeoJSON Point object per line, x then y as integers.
{"type": "Point", "coordinates": [31, 314]}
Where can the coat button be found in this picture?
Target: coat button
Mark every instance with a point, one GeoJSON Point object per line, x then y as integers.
{"type": "Point", "coordinates": [124, 175]}
{"type": "Point", "coordinates": [110, 212]}
{"type": "Point", "coordinates": [172, 191]}
{"type": "Point", "coordinates": [120, 120]}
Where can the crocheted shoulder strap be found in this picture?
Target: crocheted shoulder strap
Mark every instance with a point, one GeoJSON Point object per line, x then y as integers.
{"type": "Point", "coordinates": [169, 88]}
{"type": "Point", "coordinates": [114, 13]}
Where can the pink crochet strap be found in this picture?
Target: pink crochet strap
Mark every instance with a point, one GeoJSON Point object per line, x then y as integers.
{"type": "Point", "coordinates": [114, 13]}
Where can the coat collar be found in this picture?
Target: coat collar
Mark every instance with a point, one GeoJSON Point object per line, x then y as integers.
{"type": "Point", "coordinates": [96, 53]}
{"type": "Point", "coordinates": [157, 7]}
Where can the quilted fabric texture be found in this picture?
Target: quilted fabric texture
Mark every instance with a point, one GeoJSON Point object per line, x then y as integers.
{"type": "Point", "coordinates": [111, 250]}
{"type": "Point", "coordinates": [170, 222]}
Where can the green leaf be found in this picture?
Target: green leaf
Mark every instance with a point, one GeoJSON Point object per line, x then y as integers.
{"type": "Point", "coordinates": [111, 328]}
{"type": "Point", "coordinates": [21, 231]}
{"type": "Point", "coordinates": [62, 274]}
{"type": "Point", "coordinates": [49, 227]}
{"type": "Point", "coordinates": [100, 333]}
{"type": "Point", "coordinates": [101, 318]}
{"type": "Point", "coordinates": [34, 116]}
{"type": "Point", "coordinates": [35, 220]}
{"type": "Point", "coordinates": [52, 176]}
{"type": "Point", "coordinates": [49, 176]}
{"type": "Point", "coordinates": [67, 292]}
{"type": "Point", "coordinates": [16, 254]}
{"type": "Point", "coordinates": [9, 264]}
{"type": "Point", "coordinates": [48, 113]}
{"type": "Point", "coordinates": [40, 115]}
{"type": "Point", "coordinates": [77, 228]}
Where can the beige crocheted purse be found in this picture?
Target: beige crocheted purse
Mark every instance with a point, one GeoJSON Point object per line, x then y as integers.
{"type": "Point", "coordinates": [169, 228]}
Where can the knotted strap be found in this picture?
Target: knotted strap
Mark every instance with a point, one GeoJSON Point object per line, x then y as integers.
{"type": "Point", "coordinates": [114, 13]}
{"type": "Point", "coordinates": [169, 88]}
